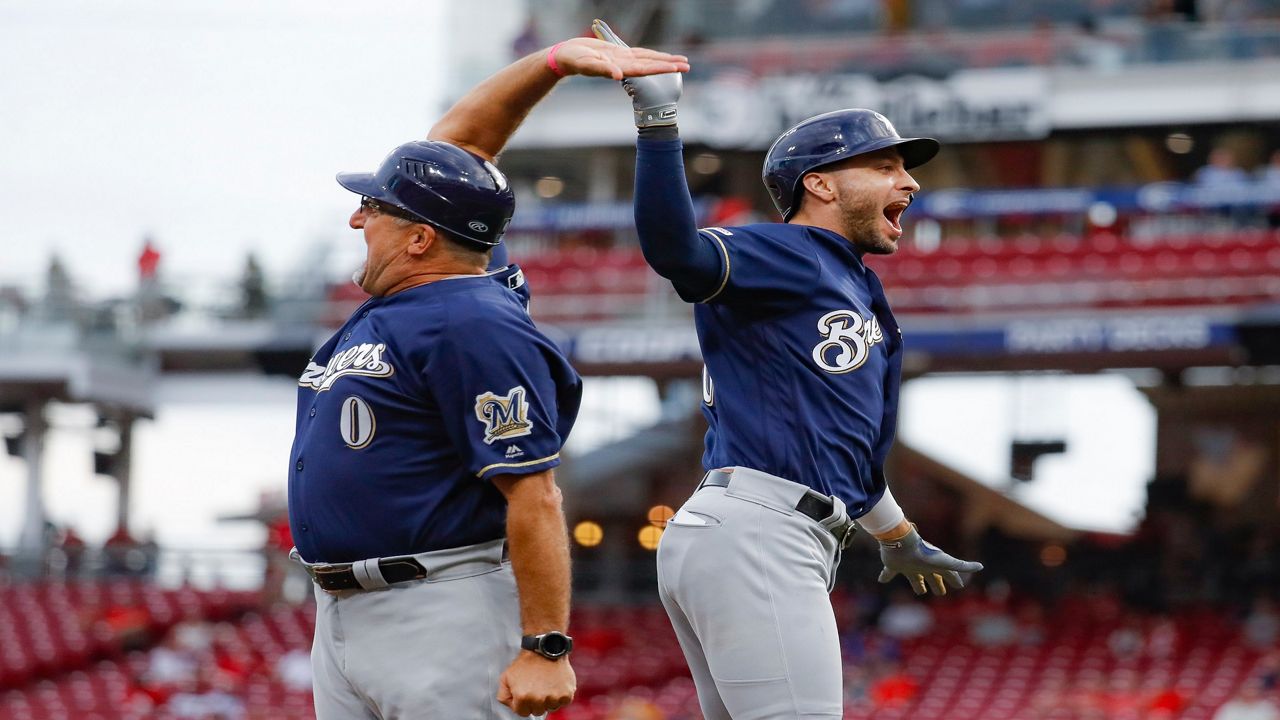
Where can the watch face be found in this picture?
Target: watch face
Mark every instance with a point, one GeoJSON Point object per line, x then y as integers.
{"type": "Point", "coordinates": [555, 644]}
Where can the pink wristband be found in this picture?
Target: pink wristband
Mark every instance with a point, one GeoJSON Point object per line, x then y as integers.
{"type": "Point", "coordinates": [551, 59]}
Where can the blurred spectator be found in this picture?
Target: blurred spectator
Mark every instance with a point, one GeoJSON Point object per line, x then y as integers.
{"type": "Point", "coordinates": [59, 295]}
{"type": "Point", "coordinates": [122, 554]}
{"type": "Point", "coordinates": [194, 635]}
{"type": "Point", "coordinates": [150, 550]}
{"type": "Point", "coordinates": [1166, 703]}
{"type": "Point", "coordinates": [127, 625]}
{"type": "Point", "coordinates": [232, 655]}
{"type": "Point", "coordinates": [1222, 170]}
{"type": "Point", "coordinates": [904, 617]}
{"type": "Point", "coordinates": [1248, 705]}
{"type": "Point", "coordinates": [1269, 671]}
{"type": "Point", "coordinates": [993, 628]}
{"type": "Point", "coordinates": [1270, 173]}
{"type": "Point", "coordinates": [212, 698]}
{"type": "Point", "coordinates": [1095, 50]}
{"type": "Point", "coordinates": [152, 304]}
{"type": "Point", "coordinates": [73, 550]}
{"type": "Point", "coordinates": [894, 689]}
{"type": "Point", "coordinates": [1126, 641]}
{"type": "Point", "coordinates": [857, 685]}
{"type": "Point", "coordinates": [253, 289]}
{"type": "Point", "coordinates": [171, 662]}
{"type": "Point", "coordinates": [1262, 626]}
{"type": "Point", "coordinates": [294, 669]}
{"type": "Point", "coordinates": [993, 625]}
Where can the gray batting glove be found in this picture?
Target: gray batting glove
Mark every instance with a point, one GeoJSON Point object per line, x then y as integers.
{"type": "Point", "coordinates": [922, 564]}
{"type": "Point", "coordinates": [653, 98]}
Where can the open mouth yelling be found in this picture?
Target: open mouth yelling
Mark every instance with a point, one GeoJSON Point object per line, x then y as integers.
{"type": "Point", "coordinates": [893, 215]}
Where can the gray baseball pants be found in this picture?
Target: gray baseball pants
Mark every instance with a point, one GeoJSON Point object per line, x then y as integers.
{"type": "Point", "coordinates": [745, 579]}
{"type": "Point", "coordinates": [421, 650]}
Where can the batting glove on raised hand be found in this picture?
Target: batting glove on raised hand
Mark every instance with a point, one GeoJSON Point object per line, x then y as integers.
{"type": "Point", "coordinates": [653, 98]}
{"type": "Point", "coordinates": [922, 564]}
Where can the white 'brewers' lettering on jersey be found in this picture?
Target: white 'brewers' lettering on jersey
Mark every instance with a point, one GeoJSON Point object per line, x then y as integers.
{"type": "Point", "coordinates": [362, 359]}
{"type": "Point", "coordinates": [848, 343]}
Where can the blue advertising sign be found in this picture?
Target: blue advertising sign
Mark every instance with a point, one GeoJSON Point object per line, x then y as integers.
{"type": "Point", "coordinates": [663, 344]}
{"type": "Point", "coordinates": [1151, 198]}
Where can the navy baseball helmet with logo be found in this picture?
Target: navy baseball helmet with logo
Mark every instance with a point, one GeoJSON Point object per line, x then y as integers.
{"type": "Point", "coordinates": [829, 138]}
{"type": "Point", "coordinates": [444, 186]}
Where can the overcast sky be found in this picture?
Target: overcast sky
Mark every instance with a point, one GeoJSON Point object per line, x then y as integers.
{"type": "Point", "coordinates": [215, 127]}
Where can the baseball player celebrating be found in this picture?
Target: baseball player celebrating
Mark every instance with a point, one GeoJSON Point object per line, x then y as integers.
{"type": "Point", "coordinates": [421, 491]}
{"type": "Point", "coordinates": [802, 366]}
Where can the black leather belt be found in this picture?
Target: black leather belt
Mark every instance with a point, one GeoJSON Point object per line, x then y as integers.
{"type": "Point", "coordinates": [810, 505]}
{"type": "Point", "coordinates": [342, 577]}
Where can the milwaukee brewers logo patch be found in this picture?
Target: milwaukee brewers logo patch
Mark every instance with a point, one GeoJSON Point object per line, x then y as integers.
{"type": "Point", "coordinates": [504, 416]}
{"type": "Point", "coordinates": [848, 343]}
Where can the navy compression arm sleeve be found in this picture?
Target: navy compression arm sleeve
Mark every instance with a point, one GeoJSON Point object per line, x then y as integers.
{"type": "Point", "coordinates": [665, 222]}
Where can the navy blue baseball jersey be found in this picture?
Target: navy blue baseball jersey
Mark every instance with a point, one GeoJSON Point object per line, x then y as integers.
{"type": "Point", "coordinates": [509, 275]}
{"type": "Point", "coordinates": [411, 408]}
{"type": "Point", "coordinates": [802, 355]}
{"type": "Point", "coordinates": [802, 360]}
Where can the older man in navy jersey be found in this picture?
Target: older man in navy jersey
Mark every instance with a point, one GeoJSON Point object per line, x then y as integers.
{"type": "Point", "coordinates": [421, 491]}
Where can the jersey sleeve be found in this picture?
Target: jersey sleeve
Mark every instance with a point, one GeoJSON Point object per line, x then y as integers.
{"type": "Point", "coordinates": [500, 387]}
{"type": "Point", "coordinates": [770, 266]}
{"type": "Point", "coordinates": [665, 221]}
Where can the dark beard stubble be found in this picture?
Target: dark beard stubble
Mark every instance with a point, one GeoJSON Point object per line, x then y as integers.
{"type": "Point", "coordinates": [860, 222]}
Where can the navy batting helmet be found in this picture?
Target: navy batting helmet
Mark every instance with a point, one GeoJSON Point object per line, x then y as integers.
{"type": "Point", "coordinates": [828, 138]}
{"type": "Point", "coordinates": [442, 185]}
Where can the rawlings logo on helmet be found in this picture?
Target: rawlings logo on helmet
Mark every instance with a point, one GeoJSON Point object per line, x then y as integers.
{"type": "Point", "coordinates": [478, 226]}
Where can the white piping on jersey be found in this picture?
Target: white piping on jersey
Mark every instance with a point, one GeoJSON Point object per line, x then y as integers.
{"type": "Point", "coordinates": [483, 274]}
{"type": "Point", "coordinates": [487, 468]}
{"type": "Point", "coordinates": [714, 233]}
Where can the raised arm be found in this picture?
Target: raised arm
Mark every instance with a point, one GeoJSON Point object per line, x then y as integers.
{"type": "Point", "coordinates": [665, 222]}
{"type": "Point", "coordinates": [485, 118]}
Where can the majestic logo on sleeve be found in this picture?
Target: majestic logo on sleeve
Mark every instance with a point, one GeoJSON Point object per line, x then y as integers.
{"type": "Point", "coordinates": [848, 343]}
{"type": "Point", "coordinates": [364, 359]}
{"type": "Point", "coordinates": [504, 416]}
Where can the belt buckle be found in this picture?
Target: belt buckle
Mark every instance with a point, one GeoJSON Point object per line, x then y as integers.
{"type": "Point", "coordinates": [844, 532]}
{"type": "Point", "coordinates": [846, 538]}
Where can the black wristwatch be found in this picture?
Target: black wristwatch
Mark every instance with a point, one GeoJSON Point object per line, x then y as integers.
{"type": "Point", "coordinates": [552, 646]}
